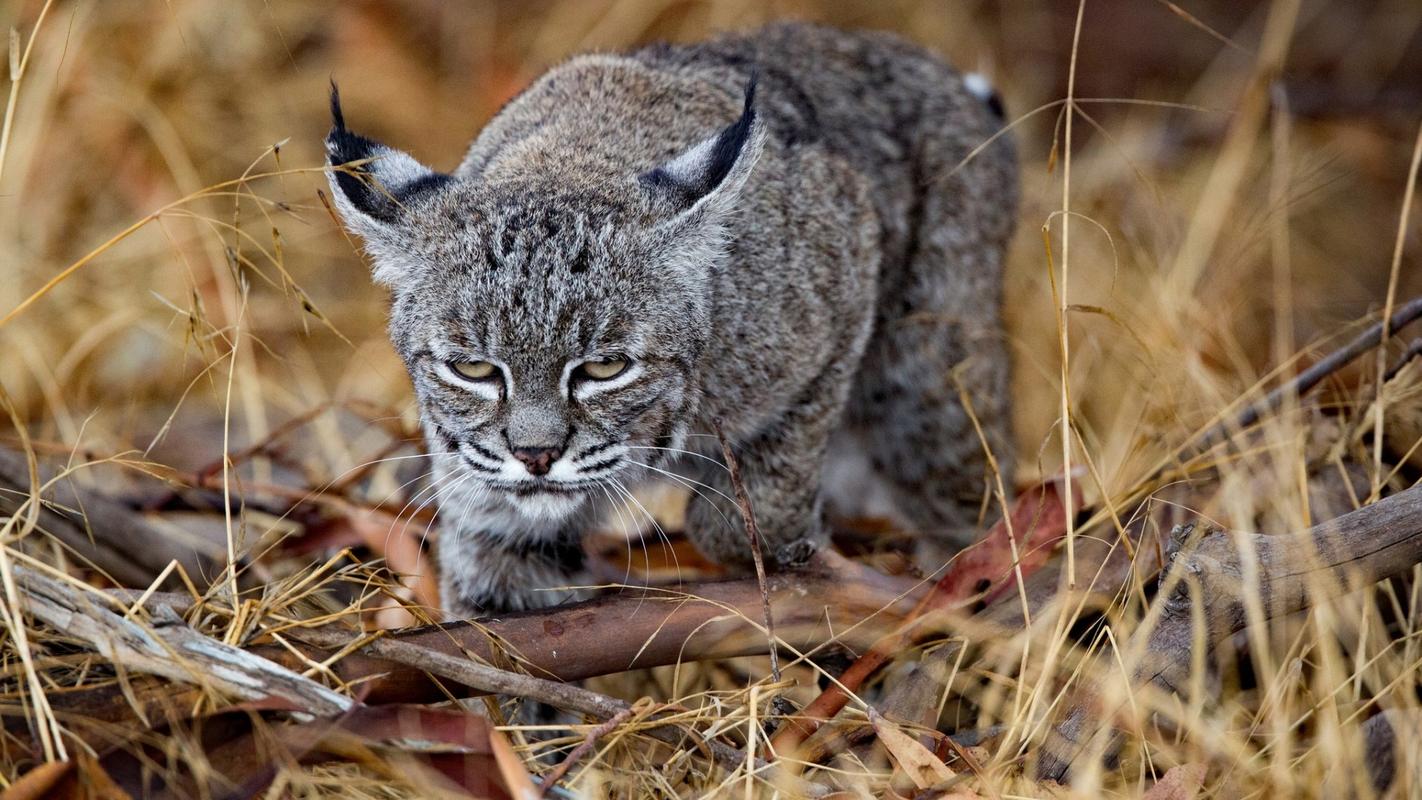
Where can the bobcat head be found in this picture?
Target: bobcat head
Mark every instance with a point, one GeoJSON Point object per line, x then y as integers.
{"type": "Point", "coordinates": [552, 319]}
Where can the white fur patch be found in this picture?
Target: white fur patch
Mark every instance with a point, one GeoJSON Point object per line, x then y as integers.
{"type": "Point", "coordinates": [546, 505]}
{"type": "Point", "coordinates": [978, 84]}
{"type": "Point", "coordinates": [851, 485]}
{"type": "Point", "coordinates": [586, 389]}
{"type": "Point", "coordinates": [513, 470]}
{"type": "Point", "coordinates": [563, 470]}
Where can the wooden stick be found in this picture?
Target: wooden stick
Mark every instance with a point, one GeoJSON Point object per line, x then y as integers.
{"type": "Point", "coordinates": [753, 534]}
{"type": "Point", "coordinates": [470, 673]}
{"type": "Point", "coordinates": [640, 628]}
{"type": "Point", "coordinates": [1207, 578]}
{"type": "Point", "coordinates": [1405, 315]}
{"type": "Point", "coordinates": [584, 747]}
{"type": "Point", "coordinates": [170, 649]}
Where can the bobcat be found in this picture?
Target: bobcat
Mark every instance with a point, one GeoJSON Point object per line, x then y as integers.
{"type": "Point", "coordinates": [782, 230]}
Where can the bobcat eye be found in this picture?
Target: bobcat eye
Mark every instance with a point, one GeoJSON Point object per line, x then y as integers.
{"type": "Point", "coordinates": [474, 370]}
{"type": "Point", "coordinates": [602, 370]}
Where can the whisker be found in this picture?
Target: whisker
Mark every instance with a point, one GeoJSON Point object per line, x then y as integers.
{"type": "Point", "coordinates": [373, 462]}
{"type": "Point", "coordinates": [627, 529]}
{"type": "Point", "coordinates": [428, 487]}
{"type": "Point", "coordinates": [667, 545]}
{"type": "Point", "coordinates": [684, 480]}
{"type": "Point", "coordinates": [390, 532]}
{"type": "Point", "coordinates": [435, 489]}
{"type": "Point", "coordinates": [422, 476]}
{"type": "Point", "coordinates": [702, 456]}
{"type": "Point", "coordinates": [446, 490]}
{"type": "Point", "coordinates": [688, 483]}
{"type": "Point", "coordinates": [479, 494]}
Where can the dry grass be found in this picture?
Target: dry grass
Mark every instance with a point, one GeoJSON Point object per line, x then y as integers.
{"type": "Point", "coordinates": [174, 289]}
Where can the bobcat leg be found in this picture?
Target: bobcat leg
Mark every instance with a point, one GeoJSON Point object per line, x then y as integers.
{"type": "Point", "coordinates": [488, 570]}
{"type": "Point", "coordinates": [781, 471]}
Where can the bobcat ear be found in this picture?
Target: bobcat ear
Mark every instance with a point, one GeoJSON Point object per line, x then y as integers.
{"type": "Point", "coordinates": [712, 172]}
{"type": "Point", "coordinates": [372, 184]}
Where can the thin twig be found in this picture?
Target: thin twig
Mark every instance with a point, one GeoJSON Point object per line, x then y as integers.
{"type": "Point", "coordinates": [264, 445]}
{"type": "Point", "coordinates": [559, 695]}
{"type": "Point", "coordinates": [471, 673]}
{"type": "Point", "coordinates": [1406, 314]}
{"type": "Point", "coordinates": [753, 533]}
{"type": "Point", "coordinates": [1413, 350]}
{"type": "Point", "coordinates": [584, 747]}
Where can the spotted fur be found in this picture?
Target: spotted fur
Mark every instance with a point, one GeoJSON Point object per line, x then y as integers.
{"type": "Point", "coordinates": [781, 230]}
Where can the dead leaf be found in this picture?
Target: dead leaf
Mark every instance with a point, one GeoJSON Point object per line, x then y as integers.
{"type": "Point", "coordinates": [38, 781]}
{"type": "Point", "coordinates": [1181, 782]}
{"type": "Point", "coordinates": [1038, 521]}
{"type": "Point", "coordinates": [399, 540]}
{"type": "Point", "coordinates": [51, 779]}
{"type": "Point", "coordinates": [913, 759]}
{"type": "Point", "coordinates": [444, 751]}
{"type": "Point", "coordinates": [511, 767]}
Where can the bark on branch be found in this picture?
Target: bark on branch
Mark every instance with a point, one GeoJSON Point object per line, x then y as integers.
{"type": "Point", "coordinates": [1217, 574]}
{"type": "Point", "coordinates": [633, 629]}
{"type": "Point", "coordinates": [169, 648]}
{"type": "Point", "coordinates": [643, 628]}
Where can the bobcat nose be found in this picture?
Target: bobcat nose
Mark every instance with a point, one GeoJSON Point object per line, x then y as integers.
{"type": "Point", "coordinates": [537, 460]}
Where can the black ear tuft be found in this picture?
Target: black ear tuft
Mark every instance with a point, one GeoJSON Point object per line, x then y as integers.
{"type": "Point", "coordinates": [732, 140]}
{"type": "Point", "coordinates": [338, 120]}
{"type": "Point", "coordinates": [387, 178]}
{"type": "Point", "coordinates": [699, 171]}
{"type": "Point", "coordinates": [344, 147]}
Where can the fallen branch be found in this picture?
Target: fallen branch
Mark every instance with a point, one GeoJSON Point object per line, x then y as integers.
{"type": "Point", "coordinates": [1405, 315]}
{"type": "Point", "coordinates": [637, 628]}
{"type": "Point", "coordinates": [640, 628]}
{"type": "Point", "coordinates": [1207, 578]}
{"type": "Point", "coordinates": [472, 674]}
{"type": "Point", "coordinates": [170, 648]}
{"type": "Point", "coordinates": [1001, 558]}
{"type": "Point", "coordinates": [127, 546]}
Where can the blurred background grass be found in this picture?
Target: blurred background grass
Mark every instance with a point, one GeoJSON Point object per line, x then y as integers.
{"type": "Point", "coordinates": [128, 106]}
